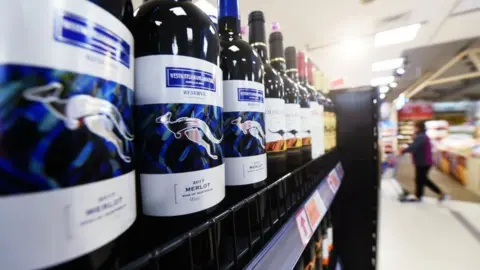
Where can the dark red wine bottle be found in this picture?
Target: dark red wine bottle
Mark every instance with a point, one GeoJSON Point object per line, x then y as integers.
{"type": "Point", "coordinates": [304, 96]}
{"type": "Point", "coordinates": [275, 128]}
{"type": "Point", "coordinates": [179, 107]}
{"type": "Point", "coordinates": [67, 184]}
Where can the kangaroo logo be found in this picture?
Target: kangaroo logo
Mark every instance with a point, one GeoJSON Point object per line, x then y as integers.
{"type": "Point", "coordinates": [193, 129]}
{"type": "Point", "coordinates": [252, 127]}
{"type": "Point", "coordinates": [280, 132]}
{"type": "Point", "coordinates": [293, 132]}
{"type": "Point", "coordinates": [98, 115]}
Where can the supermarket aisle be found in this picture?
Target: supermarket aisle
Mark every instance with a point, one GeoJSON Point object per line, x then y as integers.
{"type": "Point", "coordinates": [427, 235]}
{"type": "Point", "coordinates": [406, 174]}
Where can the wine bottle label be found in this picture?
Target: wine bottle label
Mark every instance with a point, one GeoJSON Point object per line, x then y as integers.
{"type": "Point", "coordinates": [275, 124]}
{"type": "Point", "coordinates": [67, 183]}
{"type": "Point", "coordinates": [330, 237]}
{"type": "Point", "coordinates": [325, 251]}
{"type": "Point", "coordinates": [244, 132]}
{"type": "Point", "coordinates": [179, 118]}
{"type": "Point", "coordinates": [318, 147]}
{"type": "Point", "coordinates": [293, 126]}
{"type": "Point", "coordinates": [306, 126]}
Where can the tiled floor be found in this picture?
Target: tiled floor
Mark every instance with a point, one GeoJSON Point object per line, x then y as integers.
{"type": "Point", "coordinates": [428, 235]}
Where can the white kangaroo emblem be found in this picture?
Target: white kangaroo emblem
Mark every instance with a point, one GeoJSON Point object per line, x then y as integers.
{"type": "Point", "coordinates": [98, 115]}
{"type": "Point", "coordinates": [193, 128]}
{"type": "Point", "coordinates": [252, 127]}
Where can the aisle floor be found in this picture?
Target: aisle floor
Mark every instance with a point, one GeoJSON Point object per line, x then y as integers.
{"type": "Point", "coordinates": [405, 174]}
{"type": "Point", "coordinates": [428, 235]}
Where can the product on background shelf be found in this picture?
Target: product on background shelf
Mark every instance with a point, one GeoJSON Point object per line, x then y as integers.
{"type": "Point", "coordinates": [243, 119]}
{"type": "Point", "coordinates": [66, 165]}
{"type": "Point", "coordinates": [292, 108]}
{"type": "Point", "coordinates": [325, 244]}
{"type": "Point", "coordinates": [309, 255]}
{"type": "Point", "coordinates": [276, 145]}
{"type": "Point", "coordinates": [304, 99]}
{"type": "Point", "coordinates": [318, 132]}
{"type": "Point", "coordinates": [179, 106]}
{"type": "Point", "coordinates": [318, 248]}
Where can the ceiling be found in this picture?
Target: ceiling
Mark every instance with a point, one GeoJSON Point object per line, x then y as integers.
{"type": "Point", "coordinates": [338, 35]}
{"type": "Point", "coordinates": [428, 59]}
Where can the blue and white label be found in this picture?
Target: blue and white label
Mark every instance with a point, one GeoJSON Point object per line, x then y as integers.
{"type": "Point", "coordinates": [76, 30]}
{"type": "Point", "coordinates": [170, 79]}
{"type": "Point", "coordinates": [244, 132]}
{"type": "Point", "coordinates": [250, 95]}
{"type": "Point", "coordinates": [179, 104]}
{"type": "Point", "coordinates": [190, 78]}
{"type": "Point", "coordinates": [66, 73]}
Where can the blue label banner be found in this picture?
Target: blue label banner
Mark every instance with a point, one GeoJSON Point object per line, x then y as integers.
{"type": "Point", "coordinates": [250, 95]}
{"type": "Point", "coordinates": [75, 30]}
{"type": "Point", "coordinates": [190, 78]}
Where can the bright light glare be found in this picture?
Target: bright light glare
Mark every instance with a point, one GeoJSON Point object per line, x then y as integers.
{"type": "Point", "coordinates": [393, 84]}
{"type": "Point", "coordinates": [382, 96]}
{"type": "Point", "coordinates": [397, 35]}
{"type": "Point", "coordinates": [352, 46]}
{"type": "Point", "coordinates": [382, 80]}
{"type": "Point", "coordinates": [400, 71]}
{"type": "Point", "coordinates": [390, 64]}
{"type": "Point", "coordinates": [384, 89]}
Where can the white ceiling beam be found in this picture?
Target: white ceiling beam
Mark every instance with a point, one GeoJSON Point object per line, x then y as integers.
{"type": "Point", "coordinates": [432, 80]}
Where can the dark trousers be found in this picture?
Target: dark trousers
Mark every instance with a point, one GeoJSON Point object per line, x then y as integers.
{"type": "Point", "coordinates": [421, 179]}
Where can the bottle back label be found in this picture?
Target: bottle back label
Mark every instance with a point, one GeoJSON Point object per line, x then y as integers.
{"type": "Point", "coordinates": [275, 125]}
{"type": "Point", "coordinates": [244, 132]}
{"type": "Point", "coordinates": [67, 183]}
{"type": "Point", "coordinates": [306, 126]}
{"type": "Point", "coordinates": [179, 102]}
{"type": "Point", "coordinates": [293, 126]}
{"type": "Point", "coordinates": [318, 147]}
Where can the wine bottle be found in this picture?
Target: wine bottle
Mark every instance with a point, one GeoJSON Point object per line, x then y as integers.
{"type": "Point", "coordinates": [67, 186]}
{"type": "Point", "coordinates": [243, 117]}
{"type": "Point", "coordinates": [179, 105]}
{"type": "Point", "coordinates": [276, 146]}
{"type": "Point", "coordinates": [292, 116]}
{"type": "Point", "coordinates": [325, 244]}
{"type": "Point", "coordinates": [318, 248]}
{"type": "Point", "coordinates": [292, 102]}
{"type": "Point", "coordinates": [304, 96]}
{"type": "Point", "coordinates": [316, 104]}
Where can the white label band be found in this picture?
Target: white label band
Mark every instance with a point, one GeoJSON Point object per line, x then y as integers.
{"type": "Point", "coordinates": [245, 170]}
{"type": "Point", "coordinates": [182, 193]}
{"type": "Point", "coordinates": [164, 79]}
{"type": "Point", "coordinates": [52, 227]}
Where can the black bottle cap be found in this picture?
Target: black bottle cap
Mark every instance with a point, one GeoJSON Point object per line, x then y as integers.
{"type": "Point", "coordinates": [291, 57]}
{"type": "Point", "coordinates": [256, 16]}
{"type": "Point", "coordinates": [256, 23]}
{"type": "Point", "coordinates": [276, 45]}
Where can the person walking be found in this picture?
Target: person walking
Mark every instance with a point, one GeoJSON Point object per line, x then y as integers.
{"type": "Point", "coordinates": [421, 150]}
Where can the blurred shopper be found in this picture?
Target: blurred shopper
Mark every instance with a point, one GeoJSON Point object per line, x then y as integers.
{"type": "Point", "coordinates": [421, 150]}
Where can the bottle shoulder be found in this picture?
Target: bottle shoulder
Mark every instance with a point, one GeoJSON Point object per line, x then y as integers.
{"type": "Point", "coordinates": [274, 87]}
{"type": "Point", "coordinates": [239, 61]}
{"type": "Point", "coordinates": [174, 28]}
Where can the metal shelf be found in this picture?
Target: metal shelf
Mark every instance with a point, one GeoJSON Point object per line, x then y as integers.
{"type": "Point", "coordinates": [314, 184]}
{"type": "Point", "coordinates": [292, 238]}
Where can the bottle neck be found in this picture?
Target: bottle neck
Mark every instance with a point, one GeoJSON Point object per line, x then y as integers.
{"type": "Point", "coordinates": [293, 74]}
{"type": "Point", "coordinates": [229, 19]}
{"type": "Point", "coordinates": [278, 64]}
{"type": "Point", "coordinates": [256, 37]}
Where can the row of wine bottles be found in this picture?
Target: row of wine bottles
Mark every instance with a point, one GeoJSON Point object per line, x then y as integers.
{"type": "Point", "coordinates": [316, 255]}
{"type": "Point", "coordinates": [86, 141]}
